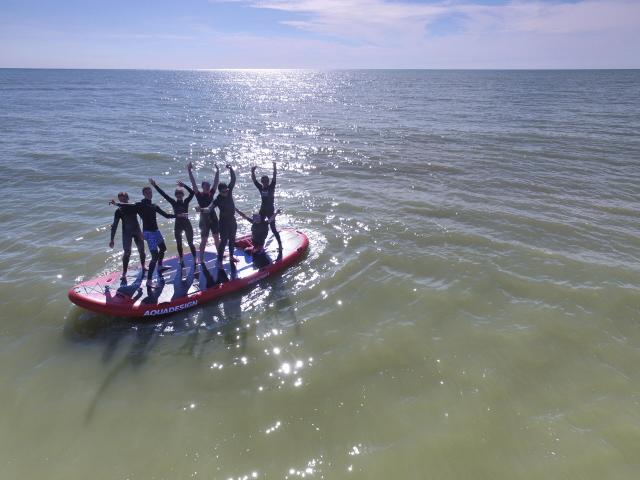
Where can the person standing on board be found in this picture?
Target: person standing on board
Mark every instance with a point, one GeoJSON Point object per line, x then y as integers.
{"type": "Point", "coordinates": [267, 191]}
{"type": "Point", "coordinates": [183, 224]}
{"type": "Point", "coordinates": [130, 231]}
{"type": "Point", "coordinates": [227, 222]}
{"type": "Point", "coordinates": [155, 241]}
{"type": "Point", "coordinates": [208, 221]}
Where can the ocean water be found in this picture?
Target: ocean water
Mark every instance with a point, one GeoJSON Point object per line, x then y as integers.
{"type": "Point", "coordinates": [469, 308]}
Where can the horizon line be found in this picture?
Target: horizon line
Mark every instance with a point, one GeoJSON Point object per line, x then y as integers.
{"type": "Point", "coordinates": [316, 69]}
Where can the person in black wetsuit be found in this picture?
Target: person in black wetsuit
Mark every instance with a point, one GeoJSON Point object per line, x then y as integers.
{"type": "Point", "coordinates": [150, 231]}
{"type": "Point", "coordinates": [208, 221]}
{"type": "Point", "coordinates": [267, 191]}
{"type": "Point", "coordinates": [259, 230]}
{"type": "Point", "coordinates": [130, 232]}
{"type": "Point", "coordinates": [180, 207]}
{"type": "Point", "coordinates": [227, 222]}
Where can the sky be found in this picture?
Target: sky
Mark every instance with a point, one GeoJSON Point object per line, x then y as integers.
{"type": "Point", "coordinates": [203, 34]}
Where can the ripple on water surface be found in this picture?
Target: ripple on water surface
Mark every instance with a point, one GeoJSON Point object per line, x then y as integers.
{"type": "Point", "coordinates": [467, 309]}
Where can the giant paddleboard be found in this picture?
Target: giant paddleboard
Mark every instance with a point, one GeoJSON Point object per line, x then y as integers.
{"type": "Point", "coordinates": [181, 288]}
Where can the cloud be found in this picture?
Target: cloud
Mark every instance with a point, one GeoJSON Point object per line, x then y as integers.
{"type": "Point", "coordinates": [352, 34]}
{"type": "Point", "coordinates": [373, 21]}
{"type": "Point", "coordinates": [556, 18]}
{"type": "Point", "coordinates": [390, 22]}
{"type": "Point", "coordinates": [464, 34]}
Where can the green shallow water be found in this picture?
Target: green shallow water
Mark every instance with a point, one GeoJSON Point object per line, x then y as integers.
{"type": "Point", "coordinates": [468, 309]}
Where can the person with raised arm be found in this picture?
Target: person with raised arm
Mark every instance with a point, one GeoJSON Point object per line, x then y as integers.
{"type": "Point", "coordinates": [227, 221]}
{"type": "Point", "coordinates": [208, 221]}
{"type": "Point", "coordinates": [130, 232]}
{"type": "Point", "coordinates": [181, 210]}
{"type": "Point", "coordinates": [267, 191]}
{"type": "Point", "coordinates": [155, 241]}
{"type": "Point", "coordinates": [259, 230]}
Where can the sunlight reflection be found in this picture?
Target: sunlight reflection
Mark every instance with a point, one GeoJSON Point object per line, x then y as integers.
{"type": "Point", "coordinates": [245, 477]}
{"type": "Point", "coordinates": [285, 368]}
{"type": "Point", "coordinates": [273, 428]}
{"type": "Point", "coordinates": [355, 450]}
{"type": "Point", "coordinates": [311, 468]}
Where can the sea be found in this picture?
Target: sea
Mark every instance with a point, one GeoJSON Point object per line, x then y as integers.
{"type": "Point", "coordinates": [469, 307]}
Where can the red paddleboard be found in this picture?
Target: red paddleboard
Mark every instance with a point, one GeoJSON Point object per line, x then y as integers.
{"type": "Point", "coordinates": [180, 288]}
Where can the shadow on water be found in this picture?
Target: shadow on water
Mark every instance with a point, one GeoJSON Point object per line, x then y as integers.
{"type": "Point", "coordinates": [114, 332]}
{"type": "Point", "coordinates": [281, 312]}
{"type": "Point", "coordinates": [218, 323]}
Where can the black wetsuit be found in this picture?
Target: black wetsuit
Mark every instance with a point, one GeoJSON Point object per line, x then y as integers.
{"type": "Point", "coordinates": [208, 221]}
{"type": "Point", "coordinates": [130, 232]}
{"type": "Point", "coordinates": [147, 212]}
{"type": "Point", "coordinates": [227, 222]}
{"type": "Point", "coordinates": [259, 232]}
{"type": "Point", "coordinates": [267, 207]}
{"type": "Point", "coordinates": [182, 224]}
{"type": "Point", "coordinates": [157, 247]}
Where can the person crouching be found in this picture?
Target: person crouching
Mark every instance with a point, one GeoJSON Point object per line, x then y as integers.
{"type": "Point", "coordinates": [259, 230]}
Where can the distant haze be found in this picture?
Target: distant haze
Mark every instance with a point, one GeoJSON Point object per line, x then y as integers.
{"type": "Point", "coordinates": [200, 34]}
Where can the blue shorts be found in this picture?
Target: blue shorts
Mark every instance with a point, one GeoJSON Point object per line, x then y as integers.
{"type": "Point", "coordinates": [153, 239]}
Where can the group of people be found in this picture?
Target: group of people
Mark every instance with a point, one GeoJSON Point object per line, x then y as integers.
{"type": "Point", "coordinates": [222, 226]}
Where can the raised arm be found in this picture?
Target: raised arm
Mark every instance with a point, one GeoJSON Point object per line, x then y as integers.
{"type": "Point", "coordinates": [253, 178]}
{"type": "Point", "coordinates": [216, 178]}
{"type": "Point", "coordinates": [186, 187]}
{"type": "Point", "coordinates": [232, 182]}
{"type": "Point", "coordinates": [191, 177]}
{"type": "Point", "coordinates": [161, 192]}
{"type": "Point", "coordinates": [243, 215]}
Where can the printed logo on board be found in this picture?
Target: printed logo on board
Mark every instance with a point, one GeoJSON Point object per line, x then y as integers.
{"type": "Point", "coordinates": [175, 308]}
